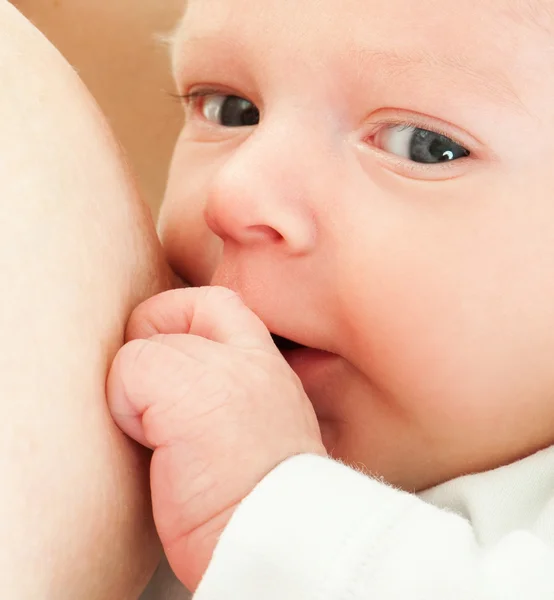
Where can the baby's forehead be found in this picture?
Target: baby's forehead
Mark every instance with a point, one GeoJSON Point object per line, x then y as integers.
{"type": "Point", "coordinates": [537, 15]}
{"type": "Point", "coordinates": [507, 39]}
{"type": "Point", "coordinates": [533, 13]}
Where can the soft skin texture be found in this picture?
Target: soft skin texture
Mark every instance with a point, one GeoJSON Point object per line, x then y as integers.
{"type": "Point", "coordinates": [430, 286]}
{"type": "Point", "coordinates": [78, 252]}
{"type": "Point", "coordinates": [202, 383]}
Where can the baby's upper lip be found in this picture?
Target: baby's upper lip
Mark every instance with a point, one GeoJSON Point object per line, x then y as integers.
{"type": "Point", "coordinates": [289, 331]}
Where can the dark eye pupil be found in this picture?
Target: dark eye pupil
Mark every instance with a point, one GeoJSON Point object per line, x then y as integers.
{"type": "Point", "coordinates": [430, 148]}
{"type": "Point", "coordinates": [239, 112]}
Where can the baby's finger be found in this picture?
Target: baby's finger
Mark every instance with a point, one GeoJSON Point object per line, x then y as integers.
{"type": "Point", "coordinates": [195, 347]}
{"type": "Point", "coordinates": [215, 313]}
{"type": "Point", "coordinates": [147, 382]}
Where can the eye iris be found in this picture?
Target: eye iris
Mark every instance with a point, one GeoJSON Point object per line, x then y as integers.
{"type": "Point", "coordinates": [430, 147]}
{"type": "Point", "coordinates": [238, 112]}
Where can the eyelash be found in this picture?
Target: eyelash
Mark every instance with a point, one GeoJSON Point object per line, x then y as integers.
{"type": "Point", "coordinates": [412, 123]}
{"type": "Point", "coordinates": [190, 99]}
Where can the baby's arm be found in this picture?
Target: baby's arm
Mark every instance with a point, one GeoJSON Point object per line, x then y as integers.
{"type": "Point", "coordinates": [240, 480]}
{"type": "Point", "coordinates": [314, 528]}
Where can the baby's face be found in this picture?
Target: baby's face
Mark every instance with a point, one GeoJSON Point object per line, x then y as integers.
{"type": "Point", "coordinates": [376, 179]}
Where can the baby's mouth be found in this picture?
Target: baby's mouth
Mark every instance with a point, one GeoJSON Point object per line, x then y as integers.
{"type": "Point", "coordinates": [286, 345]}
{"type": "Point", "coordinates": [311, 365]}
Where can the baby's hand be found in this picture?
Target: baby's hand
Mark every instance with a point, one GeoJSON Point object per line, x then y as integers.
{"type": "Point", "coordinates": [204, 386]}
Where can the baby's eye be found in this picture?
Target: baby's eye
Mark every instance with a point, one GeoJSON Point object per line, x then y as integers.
{"type": "Point", "coordinates": [419, 145]}
{"type": "Point", "coordinates": [229, 111]}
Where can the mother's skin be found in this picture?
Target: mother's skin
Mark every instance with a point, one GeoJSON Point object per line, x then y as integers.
{"type": "Point", "coordinates": [115, 47]}
{"type": "Point", "coordinates": [77, 252]}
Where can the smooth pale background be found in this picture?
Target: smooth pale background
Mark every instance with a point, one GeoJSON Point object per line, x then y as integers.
{"type": "Point", "coordinates": [115, 47]}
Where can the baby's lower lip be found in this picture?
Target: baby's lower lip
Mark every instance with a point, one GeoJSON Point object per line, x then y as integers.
{"type": "Point", "coordinates": [305, 362]}
{"type": "Point", "coordinates": [317, 371]}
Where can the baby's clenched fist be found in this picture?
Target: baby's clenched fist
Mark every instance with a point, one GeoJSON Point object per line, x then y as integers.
{"type": "Point", "coordinates": [201, 382]}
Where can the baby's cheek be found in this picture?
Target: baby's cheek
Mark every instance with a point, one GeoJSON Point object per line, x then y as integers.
{"type": "Point", "coordinates": [191, 248]}
{"type": "Point", "coordinates": [400, 343]}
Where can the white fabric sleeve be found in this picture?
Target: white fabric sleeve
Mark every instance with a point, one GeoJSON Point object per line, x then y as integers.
{"type": "Point", "coordinates": [316, 529]}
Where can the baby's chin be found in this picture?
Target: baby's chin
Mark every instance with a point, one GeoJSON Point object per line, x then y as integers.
{"type": "Point", "coordinates": [364, 427]}
{"type": "Point", "coordinates": [385, 451]}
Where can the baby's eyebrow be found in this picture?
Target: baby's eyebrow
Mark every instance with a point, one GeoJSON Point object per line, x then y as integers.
{"type": "Point", "coordinates": [489, 81]}
{"type": "Point", "coordinates": [385, 64]}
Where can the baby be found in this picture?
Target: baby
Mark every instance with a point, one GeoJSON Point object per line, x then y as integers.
{"type": "Point", "coordinates": [369, 413]}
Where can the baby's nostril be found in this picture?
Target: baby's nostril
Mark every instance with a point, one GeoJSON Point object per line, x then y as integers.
{"type": "Point", "coordinates": [264, 233]}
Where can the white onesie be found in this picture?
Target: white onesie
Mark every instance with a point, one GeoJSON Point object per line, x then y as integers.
{"type": "Point", "coordinates": [314, 528]}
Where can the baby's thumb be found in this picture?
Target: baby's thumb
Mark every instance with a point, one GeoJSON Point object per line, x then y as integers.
{"type": "Point", "coordinates": [215, 313]}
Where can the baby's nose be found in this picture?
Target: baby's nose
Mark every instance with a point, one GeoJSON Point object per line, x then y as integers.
{"type": "Point", "coordinates": [260, 196]}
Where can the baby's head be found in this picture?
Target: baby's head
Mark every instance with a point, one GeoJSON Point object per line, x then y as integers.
{"type": "Point", "coordinates": [376, 179]}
